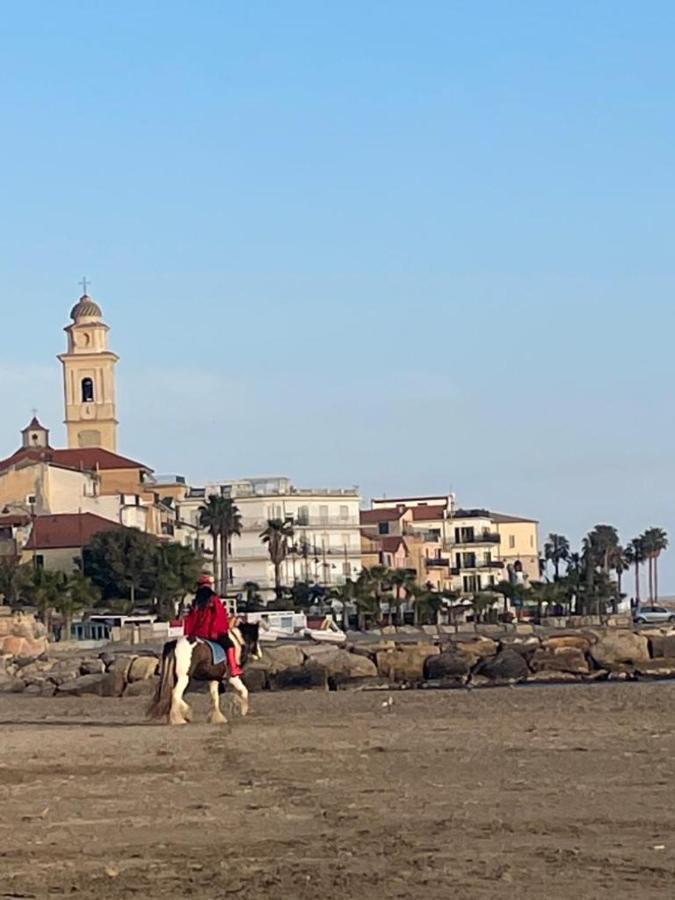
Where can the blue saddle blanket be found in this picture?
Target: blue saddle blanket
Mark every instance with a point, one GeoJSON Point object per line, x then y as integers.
{"type": "Point", "coordinates": [217, 650]}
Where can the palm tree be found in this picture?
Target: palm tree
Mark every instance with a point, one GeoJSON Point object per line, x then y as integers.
{"type": "Point", "coordinates": [403, 582]}
{"type": "Point", "coordinates": [221, 516]}
{"type": "Point", "coordinates": [620, 563]}
{"type": "Point", "coordinates": [345, 594]}
{"type": "Point", "coordinates": [13, 577]}
{"type": "Point", "coordinates": [635, 556]}
{"type": "Point", "coordinates": [277, 535]}
{"type": "Point", "coordinates": [655, 541]}
{"type": "Point", "coordinates": [556, 551]}
{"type": "Point", "coordinates": [80, 592]}
{"type": "Point", "coordinates": [601, 544]}
{"type": "Point", "coordinates": [376, 580]}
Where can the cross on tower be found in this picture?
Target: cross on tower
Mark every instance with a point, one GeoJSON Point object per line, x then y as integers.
{"type": "Point", "coordinates": [84, 284]}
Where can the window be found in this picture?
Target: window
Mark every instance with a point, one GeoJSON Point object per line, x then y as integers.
{"type": "Point", "coordinates": [383, 527]}
{"type": "Point", "coordinates": [346, 541]}
{"type": "Point", "coordinates": [512, 541]}
{"type": "Point", "coordinates": [344, 513]}
{"type": "Point", "coordinates": [531, 540]}
{"type": "Point", "coordinates": [346, 569]}
{"type": "Point", "coordinates": [323, 514]}
{"type": "Point", "coordinates": [87, 390]}
{"type": "Point", "coordinates": [39, 561]}
{"type": "Point", "coordinates": [303, 515]}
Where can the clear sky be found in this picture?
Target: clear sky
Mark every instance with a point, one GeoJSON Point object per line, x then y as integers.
{"type": "Point", "coordinates": [409, 246]}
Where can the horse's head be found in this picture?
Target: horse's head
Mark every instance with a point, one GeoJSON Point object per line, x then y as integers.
{"type": "Point", "coordinates": [250, 633]}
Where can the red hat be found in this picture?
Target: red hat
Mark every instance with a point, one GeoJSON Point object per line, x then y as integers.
{"type": "Point", "coordinates": [205, 579]}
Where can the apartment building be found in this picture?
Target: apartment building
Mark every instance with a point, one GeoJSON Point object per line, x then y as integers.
{"type": "Point", "coordinates": [465, 550]}
{"type": "Point", "coordinates": [326, 544]}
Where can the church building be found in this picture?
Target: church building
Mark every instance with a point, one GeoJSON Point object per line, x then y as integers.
{"type": "Point", "coordinates": [89, 379]}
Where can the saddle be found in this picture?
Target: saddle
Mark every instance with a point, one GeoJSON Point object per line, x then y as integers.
{"type": "Point", "coordinates": [217, 651]}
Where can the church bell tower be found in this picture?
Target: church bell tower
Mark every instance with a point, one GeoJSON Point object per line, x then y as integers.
{"type": "Point", "coordinates": [89, 379]}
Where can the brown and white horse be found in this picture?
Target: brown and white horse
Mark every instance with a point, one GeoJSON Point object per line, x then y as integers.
{"type": "Point", "coordinates": [188, 658]}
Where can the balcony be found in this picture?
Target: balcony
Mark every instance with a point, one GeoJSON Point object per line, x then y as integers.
{"type": "Point", "coordinates": [298, 522]}
{"type": "Point", "coordinates": [486, 537]}
{"type": "Point", "coordinates": [436, 562]}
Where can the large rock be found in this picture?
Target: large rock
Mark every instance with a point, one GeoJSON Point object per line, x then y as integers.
{"type": "Point", "coordinates": [85, 684]}
{"type": "Point", "coordinates": [302, 677]}
{"type": "Point", "coordinates": [12, 686]}
{"type": "Point", "coordinates": [547, 676]}
{"type": "Point", "coordinates": [92, 667]}
{"type": "Point", "coordinates": [405, 664]}
{"type": "Point", "coordinates": [344, 669]}
{"type": "Point", "coordinates": [142, 668]}
{"type": "Point", "coordinates": [661, 645]}
{"type": "Point", "coordinates": [141, 688]}
{"type": "Point", "coordinates": [278, 658]}
{"type": "Point", "coordinates": [255, 678]}
{"type": "Point", "coordinates": [122, 664]}
{"type": "Point", "coordinates": [451, 664]}
{"type": "Point", "coordinates": [113, 683]}
{"type": "Point", "coordinates": [480, 647]}
{"type": "Point", "coordinates": [506, 666]}
{"type": "Point", "coordinates": [371, 648]}
{"type": "Point", "coordinates": [524, 644]}
{"type": "Point", "coordinates": [579, 641]}
{"type": "Point", "coordinates": [560, 659]}
{"type": "Point", "coordinates": [656, 668]}
{"type": "Point", "coordinates": [619, 648]}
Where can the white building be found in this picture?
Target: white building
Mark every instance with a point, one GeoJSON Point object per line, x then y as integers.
{"type": "Point", "coordinates": [326, 547]}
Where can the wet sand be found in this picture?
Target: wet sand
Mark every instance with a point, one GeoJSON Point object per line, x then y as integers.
{"type": "Point", "coordinates": [557, 792]}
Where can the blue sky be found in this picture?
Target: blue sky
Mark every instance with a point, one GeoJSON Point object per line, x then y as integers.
{"type": "Point", "coordinates": [412, 247]}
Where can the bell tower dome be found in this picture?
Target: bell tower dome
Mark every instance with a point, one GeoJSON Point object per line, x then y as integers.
{"type": "Point", "coordinates": [89, 378]}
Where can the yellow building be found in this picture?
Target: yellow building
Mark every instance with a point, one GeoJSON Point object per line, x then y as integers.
{"type": "Point", "coordinates": [89, 379]}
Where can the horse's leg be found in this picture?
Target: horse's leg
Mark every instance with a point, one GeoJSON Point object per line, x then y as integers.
{"type": "Point", "coordinates": [242, 693]}
{"type": "Point", "coordinates": [183, 658]}
{"type": "Point", "coordinates": [215, 716]}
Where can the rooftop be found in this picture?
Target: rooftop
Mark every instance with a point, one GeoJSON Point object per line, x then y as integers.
{"type": "Point", "coordinates": [67, 530]}
{"type": "Point", "coordinates": [86, 458]}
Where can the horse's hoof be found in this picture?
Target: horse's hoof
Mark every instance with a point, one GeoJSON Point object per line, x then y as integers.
{"type": "Point", "coordinates": [217, 720]}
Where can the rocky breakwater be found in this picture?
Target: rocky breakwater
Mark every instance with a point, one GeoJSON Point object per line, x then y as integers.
{"type": "Point", "coordinates": [460, 660]}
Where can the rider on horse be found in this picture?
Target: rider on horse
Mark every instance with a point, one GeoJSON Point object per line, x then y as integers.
{"type": "Point", "coordinates": [208, 619]}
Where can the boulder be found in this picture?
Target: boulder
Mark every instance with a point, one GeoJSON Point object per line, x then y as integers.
{"type": "Point", "coordinates": [14, 645]}
{"type": "Point", "coordinates": [344, 668]}
{"type": "Point", "coordinates": [113, 683]}
{"type": "Point", "coordinates": [620, 647]}
{"type": "Point", "coordinates": [12, 686]}
{"type": "Point", "coordinates": [661, 645]}
{"type": "Point", "coordinates": [547, 676]}
{"type": "Point", "coordinates": [142, 688]}
{"type": "Point", "coordinates": [85, 684]}
{"type": "Point", "coordinates": [282, 657]}
{"type": "Point", "coordinates": [507, 665]}
{"type": "Point", "coordinates": [321, 652]}
{"type": "Point", "coordinates": [450, 664]}
{"type": "Point", "coordinates": [560, 659]}
{"type": "Point", "coordinates": [255, 678]}
{"type": "Point", "coordinates": [524, 628]}
{"type": "Point", "coordinates": [525, 644]}
{"type": "Point", "coordinates": [371, 648]}
{"type": "Point", "coordinates": [92, 667]}
{"type": "Point", "coordinates": [122, 664]}
{"type": "Point", "coordinates": [299, 677]}
{"type": "Point", "coordinates": [579, 641]}
{"type": "Point", "coordinates": [405, 664]}
{"type": "Point", "coordinates": [656, 668]}
{"type": "Point", "coordinates": [479, 647]}
{"type": "Point", "coordinates": [41, 689]}
{"type": "Point", "coordinates": [142, 668]}
{"type": "Point", "coordinates": [64, 670]}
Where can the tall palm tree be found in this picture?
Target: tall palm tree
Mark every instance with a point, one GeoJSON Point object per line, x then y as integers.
{"type": "Point", "coordinates": [277, 535]}
{"type": "Point", "coordinates": [635, 556]}
{"type": "Point", "coordinates": [403, 582]}
{"type": "Point", "coordinates": [620, 562]}
{"type": "Point", "coordinates": [221, 516]}
{"type": "Point", "coordinates": [377, 580]}
{"type": "Point", "coordinates": [556, 551]}
{"type": "Point", "coordinates": [655, 541]}
{"type": "Point", "coordinates": [601, 543]}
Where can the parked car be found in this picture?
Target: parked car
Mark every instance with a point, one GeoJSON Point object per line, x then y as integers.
{"type": "Point", "coordinates": [646, 615]}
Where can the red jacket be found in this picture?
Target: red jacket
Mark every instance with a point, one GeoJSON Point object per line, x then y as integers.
{"type": "Point", "coordinates": [209, 622]}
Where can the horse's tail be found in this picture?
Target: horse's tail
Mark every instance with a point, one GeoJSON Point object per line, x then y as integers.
{"type": "Point", "coordinates": [160, 705]}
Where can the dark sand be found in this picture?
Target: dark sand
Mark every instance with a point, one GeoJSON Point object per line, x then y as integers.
{"type": "Point", "coordinates": [549, 792]}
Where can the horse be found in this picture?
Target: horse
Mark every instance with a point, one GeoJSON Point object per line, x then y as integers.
{"type": "Point", "coordinates": [187, 658]}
